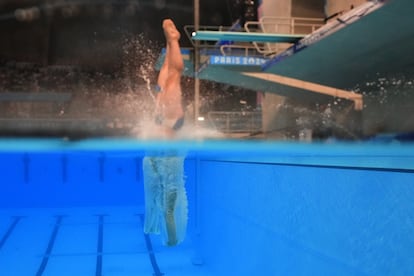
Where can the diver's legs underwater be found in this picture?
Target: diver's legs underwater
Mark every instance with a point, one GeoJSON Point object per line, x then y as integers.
{"type": "Point", "coordinates": [166, 207]}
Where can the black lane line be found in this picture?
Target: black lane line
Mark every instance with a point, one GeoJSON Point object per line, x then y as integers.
{"type": "Point", "coordinates": [100, 245]}
{"type": "Point", "coordinates": [339, 167]}
{"type": "Point", "coordinates": [9, 231]}
{"type": "Point", "coordinates": [151, 255]}
{"type": "Point", "coordinates": [50, 245]}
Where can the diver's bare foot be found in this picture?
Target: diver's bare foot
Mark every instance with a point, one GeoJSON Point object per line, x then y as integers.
{"type": "Point", "coordinates": [170, 31]}
{"type": "Point", "coordinates": [172, 243]}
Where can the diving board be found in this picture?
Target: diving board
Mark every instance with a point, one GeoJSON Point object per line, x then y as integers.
{"type": "Point", "coordinates": [246, 37]}
{"type": "Point", "coordinates": [310, 86]}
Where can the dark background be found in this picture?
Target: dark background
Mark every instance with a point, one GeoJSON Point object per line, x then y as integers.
{"type": "Point", "coordinates": [92, 32]}
{"type": "Point", "coordinates": [101, 53]}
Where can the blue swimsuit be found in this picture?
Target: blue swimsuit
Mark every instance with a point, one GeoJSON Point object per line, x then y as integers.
{"type": "Point", "coordinates": [174, 125]}
{"type": "Point", "coordinates": [160, 120]}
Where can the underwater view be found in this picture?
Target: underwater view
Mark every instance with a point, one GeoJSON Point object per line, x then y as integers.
{"type": "Point", "coordinates": [268, 137]}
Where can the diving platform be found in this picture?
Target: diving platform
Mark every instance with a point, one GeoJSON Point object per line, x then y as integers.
{"type": "Point", "coordinates": [331, 62]}
{"type": "Point", "coordinates": [246, 37]}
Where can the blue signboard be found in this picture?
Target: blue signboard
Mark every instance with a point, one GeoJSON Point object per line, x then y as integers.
{"type": "Point", "coordinates": [237, 60]}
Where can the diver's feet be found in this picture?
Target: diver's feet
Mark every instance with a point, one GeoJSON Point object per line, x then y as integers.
{"type": "Point", "coordinates": [170, 31]}
{"type": "Point", "coordinates": [172, 242]}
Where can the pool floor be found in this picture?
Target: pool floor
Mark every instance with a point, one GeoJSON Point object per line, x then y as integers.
{"type": "Point", "coordinates": [87, 241]}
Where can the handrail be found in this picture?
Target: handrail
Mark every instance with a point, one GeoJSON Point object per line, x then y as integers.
{"type": "Point", "coordinates": [245, 48]}
{"type": "Point", "coordinates": [267, 24]}
{"type": "Point", "coordinates": [189, 29]}
{"type": "Point", "coordinates": [236, 121]}
{"type": "Point", "coordinates": [283, 25]}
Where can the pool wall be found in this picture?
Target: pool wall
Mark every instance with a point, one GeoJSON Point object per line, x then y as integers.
{"type": "Point", "coordinates": [69, 180]}
{"type": "Point", "coordinates": [263, 218]}
{"type": "Point", "coordinates": [87, 179]}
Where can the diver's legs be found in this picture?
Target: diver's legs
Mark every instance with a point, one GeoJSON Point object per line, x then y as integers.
{"type": "Point", "coordinates": [175, 201]}
{"type": "Point", "coordinates": [163, 75]}
{"type": "Point", "coordinates": [170, 201]}
{"type": "Point", "coordinates": [165, 198]}
{"type": "Point", "coordinates": [173, 64]}
{"type": "Point", "coordinates": [173, 56]}
{"type": "Point", "coordinates": [171, 98]}
{"type": "Point", "coordinates": [176, 213]}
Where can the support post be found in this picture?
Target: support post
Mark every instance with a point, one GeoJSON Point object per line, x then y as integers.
{"type": "Point", "coordinates": [196, 63]}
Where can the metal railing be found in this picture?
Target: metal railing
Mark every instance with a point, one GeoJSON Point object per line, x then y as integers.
{"type": "Point", "coordinates": [289, 25]}
{"type": "Point", "coordinates": [189, 29]}
{"type": "Point", "coordinates": [281, 25]}
{"type": "Point", "coordinates": [235, 121]}
{"type": "Point", "coordinates": [225, 48]}
{"type": "Point", "coordinates": [267, 24]}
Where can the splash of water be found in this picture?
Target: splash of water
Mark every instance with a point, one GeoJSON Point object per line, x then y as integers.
{"type": "Point", "coordinates": [316, 120]}
{"type": "Point", "coordinates": [382, 88]}
{"type": "Point", "coordinates": [139, 63]}
{"type": "Point", "coordinates": [140, 56]}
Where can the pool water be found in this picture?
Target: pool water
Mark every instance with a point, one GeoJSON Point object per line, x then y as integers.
{"type": "Point", "coordinates": [255, 208]}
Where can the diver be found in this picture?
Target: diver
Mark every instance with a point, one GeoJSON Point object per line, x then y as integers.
{"type": "Point", "coordinates": [165, 195]}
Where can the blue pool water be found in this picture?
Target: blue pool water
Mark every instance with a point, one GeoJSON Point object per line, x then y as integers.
{"type": "Point", "coordinates": [255, 208]}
